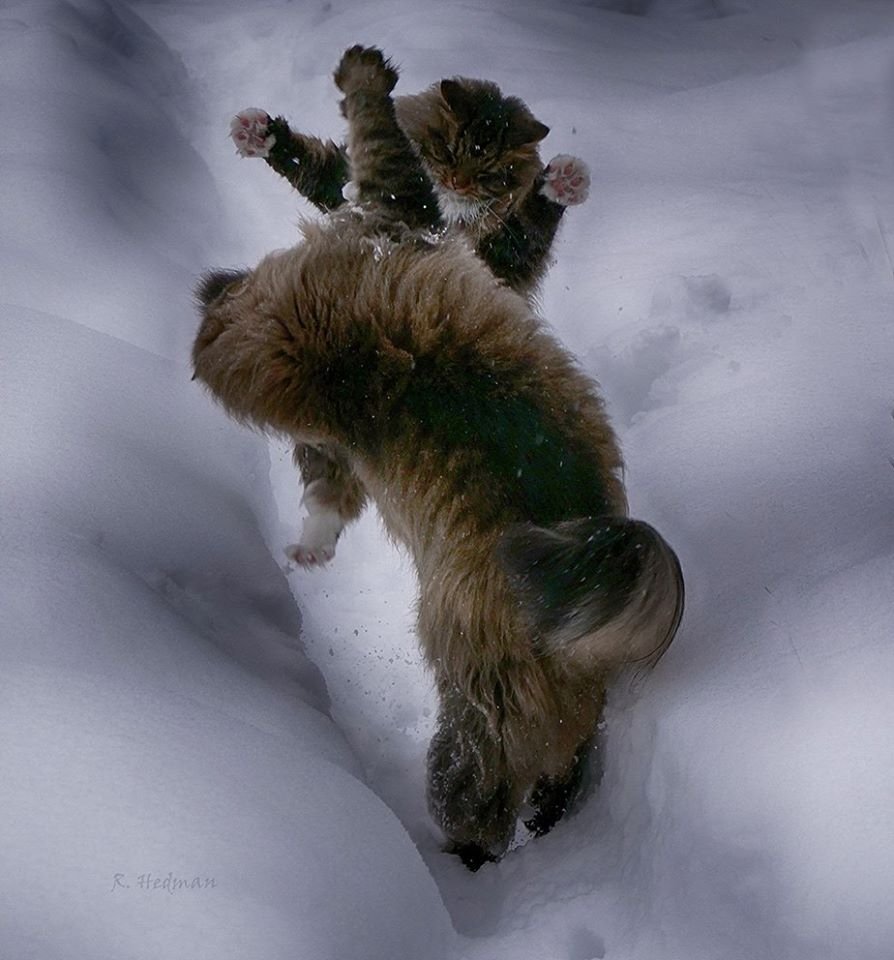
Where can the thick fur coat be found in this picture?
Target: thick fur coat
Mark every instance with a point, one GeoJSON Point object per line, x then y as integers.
{"type": "Point", "coordinates": [469, 163]}
{"type": "Point", "coordinates": [489, 457]}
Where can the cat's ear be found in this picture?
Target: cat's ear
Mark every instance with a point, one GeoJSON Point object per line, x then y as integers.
{"type": "Point", "coordinates": [526, 129]}
{"type": "Point", "coordinates": [461, 101]}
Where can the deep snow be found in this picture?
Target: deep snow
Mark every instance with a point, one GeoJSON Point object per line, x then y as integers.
{"type": "Point", "coordinates": [166, 696]}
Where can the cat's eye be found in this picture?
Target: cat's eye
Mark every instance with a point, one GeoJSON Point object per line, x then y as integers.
{"type": "Point", "coordinates": [438, 147]}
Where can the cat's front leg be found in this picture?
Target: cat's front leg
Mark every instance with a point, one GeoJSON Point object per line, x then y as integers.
{"type": "Point", "coordinates": [566, 180]}
{"type": "Point", "coordinates": [385, 169]}
{"type": "Point", "coordinates": [317, 169]}
{"type": "Point", "coordinates": [319, 534]}
{"type": "Point", "coordinates": [333, 497]}
{"type": "Point", "coordinates": [519, 251]}
{"type": "Point", "coordinates": [365, 70]}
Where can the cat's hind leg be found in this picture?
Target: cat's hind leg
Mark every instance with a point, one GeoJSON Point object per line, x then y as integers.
{"type": "Point", "coordinates": [553, 797]}
{"type": "Point", "coordinates": [471, 795]}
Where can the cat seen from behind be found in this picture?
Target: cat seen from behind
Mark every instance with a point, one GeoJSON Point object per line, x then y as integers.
{"type": "Point", "coordinates": [489, 457]}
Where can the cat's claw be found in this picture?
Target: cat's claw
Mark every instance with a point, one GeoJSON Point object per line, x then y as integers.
{"type": "Point", "coordinates": [366, 69]}
{"type": "Point", "coordinates": [249, 130]}
{"type": "Point", "coordinates": [567, 180]}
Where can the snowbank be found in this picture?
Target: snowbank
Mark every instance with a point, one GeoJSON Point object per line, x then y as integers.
{"type": "Point", "coordinates": [171, 784]}
{"type": "Point", "coordinates": [729, 282]}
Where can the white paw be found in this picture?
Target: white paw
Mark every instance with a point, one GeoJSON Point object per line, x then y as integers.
{"type": "Point", "coordinates": [567, 180]}
{"type": "Point", "coordinates": [248, 130]}
{"type": "Point", "coordinates": [304, 556]}
{"type": "Point", "coordinates": [319, 535]}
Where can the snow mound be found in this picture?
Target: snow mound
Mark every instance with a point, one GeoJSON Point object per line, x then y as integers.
{"type": "Point", "coordinates": [172, 783]}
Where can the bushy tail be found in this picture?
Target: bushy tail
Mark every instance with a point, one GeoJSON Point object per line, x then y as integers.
{"type": "Point", "coordinates": [602, 590]}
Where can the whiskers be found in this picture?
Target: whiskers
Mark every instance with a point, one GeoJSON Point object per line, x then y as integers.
{"type": "Point", "coordinates": [477, 216]}
{"type": "Point", "coordinates": [489, 210]}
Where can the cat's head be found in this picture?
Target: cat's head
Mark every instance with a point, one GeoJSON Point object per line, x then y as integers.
{"type": "Point", "coordinates": [478, 146]}
{"type": "Point", "coordinates": [293, 345]}
{"type": "Point", "coordinates": [246, 351]}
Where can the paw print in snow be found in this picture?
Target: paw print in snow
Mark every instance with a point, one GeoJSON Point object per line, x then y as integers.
{"type": "Point", "coordinates": [249, 130]}
{"type": "Point", "coordinates": [567, 180]}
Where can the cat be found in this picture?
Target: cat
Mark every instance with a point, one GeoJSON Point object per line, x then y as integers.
{"type": "Point", "coordinates": [489, 456]}
{"type": "Point", "coordinates": [478, 149]}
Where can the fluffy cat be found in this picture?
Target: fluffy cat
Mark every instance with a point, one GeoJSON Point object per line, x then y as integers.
{"type": "Point", "coordinates": [488, 455]}
{"type": "Point", "coordinates": [479, 151]}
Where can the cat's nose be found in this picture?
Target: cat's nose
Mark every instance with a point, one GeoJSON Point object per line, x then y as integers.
{"type": "Point", "coordinates": [459, 183]}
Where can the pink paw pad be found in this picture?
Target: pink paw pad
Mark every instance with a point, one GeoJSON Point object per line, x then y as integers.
{"type": "Point", "coordinates": [248, 130]}
{"type": "Point", "coordinates": [567, 180]}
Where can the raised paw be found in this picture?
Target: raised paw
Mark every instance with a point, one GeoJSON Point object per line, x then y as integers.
{"type": "Point", "coordinates": [250, 132]}
{"type": "Point", "coordinates": [567, 180]}
{"type": "Point", "coordinates": [366, 69]}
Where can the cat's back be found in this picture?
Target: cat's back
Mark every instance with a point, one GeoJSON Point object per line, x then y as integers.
{"type": "Point", "coordinates": [487, 396]}
{"type": "Point", "coordinates": [492, 399]}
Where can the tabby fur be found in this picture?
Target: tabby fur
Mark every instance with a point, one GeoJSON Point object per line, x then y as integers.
{"type": "Point", "coordinates": [490, 459]}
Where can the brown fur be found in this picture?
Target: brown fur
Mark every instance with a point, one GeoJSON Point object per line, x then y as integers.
{"type": "Point", "coordinates": [475, 145]}
{"type": "Point", "coordinates": [472, 138]}
{"type": "Point", "coordinates": [474, 142]}
{"type": "Point", "coordinates": [358, 342]}
{"type": "Point", "coordinates": [489, 457]}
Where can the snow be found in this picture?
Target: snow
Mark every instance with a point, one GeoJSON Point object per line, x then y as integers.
{"type": "Point", "coordinates": [174, 704]}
